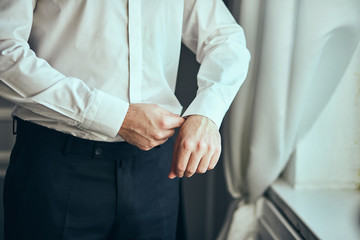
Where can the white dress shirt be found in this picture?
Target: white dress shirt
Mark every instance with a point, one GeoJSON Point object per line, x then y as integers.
{"type": "Point", "coordinates": [75, 66]}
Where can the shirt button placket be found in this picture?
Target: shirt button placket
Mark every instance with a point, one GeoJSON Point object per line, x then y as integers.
{"type": "Point", "coordinates": [135, 50]}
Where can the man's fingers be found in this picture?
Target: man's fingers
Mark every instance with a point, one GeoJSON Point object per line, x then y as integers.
{"type": "Point", "coordinates": [148, 125]}
{"type": "Point", "coordinates": [204, 163]}
{"type": "Point", "coordinates": [163, 136]}
{"type": "Point", "coordinates": [214, 159]}
{"type": "Point", "coordinates": [192, 164]}
{"type": "Point", "coordinates": [183, 156]}
{"type": "Point", "coordinates": [172, 121]}
{"type": "Point", "coordinates": [197, 147]}
{"type": "Point", "coordinates": [172, 174]}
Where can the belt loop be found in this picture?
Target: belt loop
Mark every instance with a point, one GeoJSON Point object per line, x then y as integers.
{"type": "Point", "coordinates": [14, 127]}
{"type": "Point", "coordinates": [68, 145]}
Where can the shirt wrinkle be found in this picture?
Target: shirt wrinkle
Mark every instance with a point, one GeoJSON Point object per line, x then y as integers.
{"type": "Point", "coordinates": [88, 70]}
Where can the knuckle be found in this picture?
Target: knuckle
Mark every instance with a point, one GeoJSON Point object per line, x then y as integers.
{"type": "Point", "coordinates": [190, 172]}
{"type": "Point", "coordinates": [171, 133]}
{"type": "Point", "coordinates": [188, 145]}
{"type": "Point", "coordinates": [181, 168]}
{"type": "Point", "coordinates": [202, 145]}
{"type": "Point", "coordinates": [151, 145]}
{"type": "Point", "coordinates": [147, 148]}
{"type": "Point", "coordinates": [218, 148]}
{"type": "Point", "coordinates": [163, 123]}
{"type": "Point", "coordinates": [158, 136]}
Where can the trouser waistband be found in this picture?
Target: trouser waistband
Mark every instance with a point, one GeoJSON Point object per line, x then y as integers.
{"type": "Point", "coordinates": [71, 144]}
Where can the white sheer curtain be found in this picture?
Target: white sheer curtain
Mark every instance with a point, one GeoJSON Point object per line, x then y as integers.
{"type": "Point", "coordinates": [301, 49]}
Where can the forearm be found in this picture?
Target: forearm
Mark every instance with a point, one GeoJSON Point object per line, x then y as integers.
{"type": "Point", "coordinates": [32, 83]}
{"type": "Point", "coordinates": [219, 43]}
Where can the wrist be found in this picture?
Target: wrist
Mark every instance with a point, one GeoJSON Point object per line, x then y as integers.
{"type": "Point", "coordinates": [201, 118]}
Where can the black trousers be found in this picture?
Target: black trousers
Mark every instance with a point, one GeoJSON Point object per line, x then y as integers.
{"type": "Point", "coordinates": [61, 187]}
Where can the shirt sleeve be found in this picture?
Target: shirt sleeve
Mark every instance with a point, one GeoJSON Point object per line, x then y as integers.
{"type": "Point", "coordinates": [210, 31]}
{"type": "Point", "coordinates": [32, 83]}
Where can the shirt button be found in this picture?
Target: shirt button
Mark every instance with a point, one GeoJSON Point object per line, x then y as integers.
{"type": "Point", "coordinates": [98, 151]}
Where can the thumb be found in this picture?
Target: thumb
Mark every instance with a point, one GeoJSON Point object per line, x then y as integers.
{"type": "Point", "coordinates": [174, 121]}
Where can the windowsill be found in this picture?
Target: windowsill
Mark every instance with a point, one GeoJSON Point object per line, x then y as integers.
{"type": "Point", "coordinates": [318, 213]}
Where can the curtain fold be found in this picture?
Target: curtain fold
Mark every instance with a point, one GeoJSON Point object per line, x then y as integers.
{"type": "Point", "coordinates": [300, 53]}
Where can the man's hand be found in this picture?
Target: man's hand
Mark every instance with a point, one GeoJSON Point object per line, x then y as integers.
{"type": "Point", "coordinates": [148, 125]}
{"type": "Point", "coordinates": [197, 147]}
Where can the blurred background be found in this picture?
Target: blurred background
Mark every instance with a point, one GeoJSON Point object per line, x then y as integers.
{"type": "Point", "coordinates": [291, 153]}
